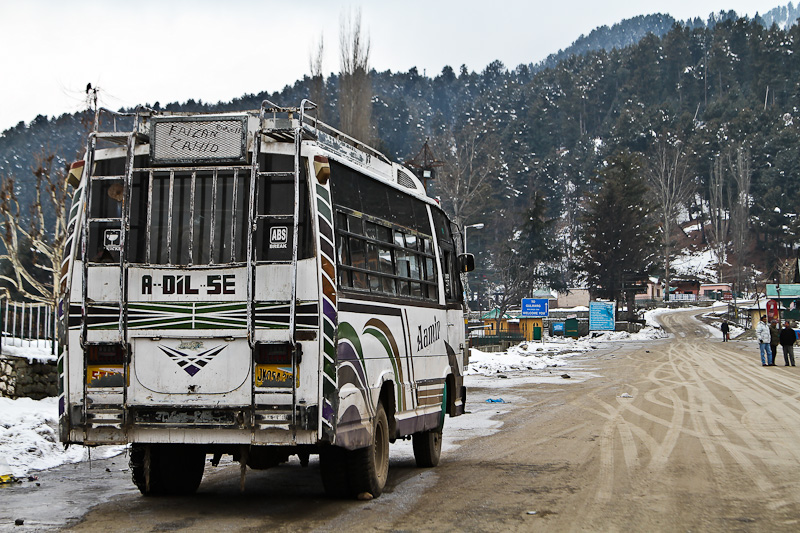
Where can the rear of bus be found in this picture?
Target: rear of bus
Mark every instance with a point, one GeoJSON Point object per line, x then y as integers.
{"type": "Point", "coordinates": [180, 273]}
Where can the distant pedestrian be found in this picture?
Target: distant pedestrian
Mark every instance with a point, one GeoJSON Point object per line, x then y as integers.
{"type": "Point", "coordinates": [788, 338]}
{"type": "Point", "coordinates": [774, 338]}
{"type": "Point", "coordinates": [762, 334]}
{"type": "Point", "coordinates": [726, 329]}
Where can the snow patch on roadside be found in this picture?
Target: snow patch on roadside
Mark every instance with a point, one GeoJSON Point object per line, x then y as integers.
{"type": "Point", "coordinates": [29, 438]}
{"type": "Point", "coordinates": [33, 351]}
{"type": "Point", "coordinates": [535, 355]}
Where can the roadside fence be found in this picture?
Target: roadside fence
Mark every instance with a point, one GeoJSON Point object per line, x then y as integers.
{"type": "Point", "coordinates": [27, 324]}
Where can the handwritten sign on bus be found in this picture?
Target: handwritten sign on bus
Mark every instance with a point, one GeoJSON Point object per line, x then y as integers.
{"type": "Point", "coordinates": [186, 139]}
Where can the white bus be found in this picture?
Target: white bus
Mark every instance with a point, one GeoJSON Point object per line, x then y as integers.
{"type": "Point", "coordinates": [261, 285]}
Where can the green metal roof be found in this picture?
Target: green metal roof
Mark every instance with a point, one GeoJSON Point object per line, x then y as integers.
{"type": "Point", "coordinates": [492, 315]}
{"type": "Point", "coordinates": [788, 290]}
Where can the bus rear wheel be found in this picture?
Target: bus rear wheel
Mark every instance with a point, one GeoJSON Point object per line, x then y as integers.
{"type": "Point", "coordinates": [333, 469]}
{"type": "Point", "coordinates": [368, 468]}
{"type": "Point", "coordinates": [171, 469]}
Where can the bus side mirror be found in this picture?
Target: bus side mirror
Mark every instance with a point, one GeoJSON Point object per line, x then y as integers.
{"type": "Point", "coordinates": [466, 263]}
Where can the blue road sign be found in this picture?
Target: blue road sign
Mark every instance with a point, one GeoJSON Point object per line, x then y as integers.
{"type": "Point", "coordinates": [601, 316]}
{"type": "Point", "coordinates": [535, 307]}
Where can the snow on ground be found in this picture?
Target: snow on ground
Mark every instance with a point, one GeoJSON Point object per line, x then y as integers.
{"type": "Point", "coordinates": [536, 355]}
{"type": "Point", "coordinates": [29, 434]}
{"type": "Point", "coordinates": [29, 438]}
{"type": "Point", "coordinates": [717, 310]}
{"type": "Point", "coordinates": [33, 350]}
{"type": "Point", "coordinates": [695, 264]}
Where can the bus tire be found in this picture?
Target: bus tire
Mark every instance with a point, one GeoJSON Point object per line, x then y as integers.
{"type": "Point", "coordinates": [427, 448]}
{"type": "Point", "coordinates": [368, 468]}
{"type": "Point", "coordinates": [428, 444]}
{"type": "Point", "coordinates": [173, 469]}
{"type": "Point", "coordinates": [333, 470]}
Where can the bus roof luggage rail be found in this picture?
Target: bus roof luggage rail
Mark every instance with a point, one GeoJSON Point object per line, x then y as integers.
{"type": "Point", "coordinates": [310, 125]}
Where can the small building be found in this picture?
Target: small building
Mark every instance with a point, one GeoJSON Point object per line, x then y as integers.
{"type": "Point", "coordinates": [684, 289]}
{"type": "Point", "coordinates": [756, 310]}
{"type": "Point", "coordinates": [716, 291]}
{"type": "Point", "coordinates": [490, 322]}
{"type": "Point", "coordinates": [653, 290]}
{"type": "Point", "coordinates": [788, 294]}
{"type": "Point", "coordinates": [528, 327]}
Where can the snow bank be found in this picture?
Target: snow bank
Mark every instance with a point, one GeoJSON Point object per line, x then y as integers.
{"type": "Point", "coordinates": [537, 355]}
{"type": "Point", "coordinates": [32, 350]}
{"type": "Point", "coordinates": [29, 438]}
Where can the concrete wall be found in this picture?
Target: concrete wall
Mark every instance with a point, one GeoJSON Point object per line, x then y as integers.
{"type": "Point", "coordinates": [20, 378]}
{"type": "Point", "coordinates": [575, 298]}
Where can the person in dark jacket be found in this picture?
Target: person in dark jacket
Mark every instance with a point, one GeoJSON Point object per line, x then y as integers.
{"type": "Point", "coordinates": [726, 329]}
{"type": "Point", "coordinates": [774, 338]}
{"type": "Point", "coordinates": [788, 338]}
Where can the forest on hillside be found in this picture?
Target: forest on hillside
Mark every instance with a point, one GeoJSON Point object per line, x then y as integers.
{"type": "Point", "coordinates": [721, 99]}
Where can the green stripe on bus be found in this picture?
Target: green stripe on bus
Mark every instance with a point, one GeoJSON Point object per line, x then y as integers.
{"type": "Point", "coordinates": [322, 192]}
{"type": "Point", "coordinates": [325, 211]}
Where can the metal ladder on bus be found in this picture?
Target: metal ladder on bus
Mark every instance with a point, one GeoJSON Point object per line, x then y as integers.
{"type": "Point", "coordinates": [109, 417]}
{"type": "Point", "coordinates": [294, 134]}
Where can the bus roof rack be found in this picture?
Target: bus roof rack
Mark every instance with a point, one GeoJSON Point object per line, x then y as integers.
{"type": "Point", "coordinates": [121, 124]}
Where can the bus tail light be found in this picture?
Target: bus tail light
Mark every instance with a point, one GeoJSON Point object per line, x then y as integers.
{"type": "Point", "coordinates": [105, 354]}
{"type": "Point", "coordinates": [105, 365]}
{"type": "Point", "coordinates": [273, 354]}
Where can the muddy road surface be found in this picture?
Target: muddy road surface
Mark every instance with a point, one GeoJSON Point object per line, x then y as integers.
{"type": "Point", "coordinates": [680, 434]}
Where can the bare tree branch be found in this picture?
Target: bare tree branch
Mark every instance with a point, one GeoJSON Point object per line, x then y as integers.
{"type": "Point", "coordinates": [671, 187]}
{"type": "Point", "coordinates": [718, 214]}
{"type": "Point", "coordinates": [33, 255]}
{"type": "Point", "coordinates": [355, 85]}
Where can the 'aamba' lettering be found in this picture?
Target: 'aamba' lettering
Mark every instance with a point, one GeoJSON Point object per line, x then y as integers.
{"type": "Point", "coordinates": [429, 335]}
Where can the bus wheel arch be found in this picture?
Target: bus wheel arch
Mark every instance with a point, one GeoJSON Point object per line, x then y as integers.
{"type": "Point", "coordinates": [387, 399]}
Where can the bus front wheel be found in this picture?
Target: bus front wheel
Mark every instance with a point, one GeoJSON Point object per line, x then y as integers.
{"type": "Point", "coordinates": [428, 444]}
{"type": "Point", "coordinates": [427, 448]}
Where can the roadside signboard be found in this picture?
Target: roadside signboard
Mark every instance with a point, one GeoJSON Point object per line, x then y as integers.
{"type": "Point", "coordinates": [558, 328]}
{"type": "Point", "coordinates": [535, 307]}
{"type": "Point", "coordinates": [601, 316]}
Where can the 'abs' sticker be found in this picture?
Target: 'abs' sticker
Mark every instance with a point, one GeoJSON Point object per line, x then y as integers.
{"type": "Point", "coordinates": [278, 237]}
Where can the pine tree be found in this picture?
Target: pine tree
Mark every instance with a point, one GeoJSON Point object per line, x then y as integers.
{"type": "Point", "coordinates": [618, 248]}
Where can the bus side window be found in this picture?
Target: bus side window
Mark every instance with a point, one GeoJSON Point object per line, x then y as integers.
{"type": "Point", "coordinates": [447, 274]}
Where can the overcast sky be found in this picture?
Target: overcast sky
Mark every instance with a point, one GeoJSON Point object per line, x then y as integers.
{"type": "Point", "coordinates": [144, 51]}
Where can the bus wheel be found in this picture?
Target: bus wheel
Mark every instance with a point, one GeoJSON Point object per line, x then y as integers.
{"type": "Point", "coordinates": [427, 448]}
{"type": "Point", "coordinates": [333, 469]}
{"type": "Point", "coordinates": [368, 468]}
{"type": "Point", "coordinates": [171, 469]}
{"type": "Point", "coordinates": [428, 444]}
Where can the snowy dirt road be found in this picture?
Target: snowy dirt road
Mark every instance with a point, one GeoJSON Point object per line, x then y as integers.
{"type": "Point", "coordinates": [679, 434]}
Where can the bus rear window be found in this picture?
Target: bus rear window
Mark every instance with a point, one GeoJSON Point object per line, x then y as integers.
{"type": "Point", "coordinates": [196, 217]}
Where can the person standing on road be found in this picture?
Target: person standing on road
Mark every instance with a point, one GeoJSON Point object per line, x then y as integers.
{"type": "Point", "coordinates": [725, 331]}
{"type": "Point", "coordinates": [788, 338]}
{"type": "Point", "coordinates": [763, 336]}
{"type": "Point", "coordinates": [774, 339]}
